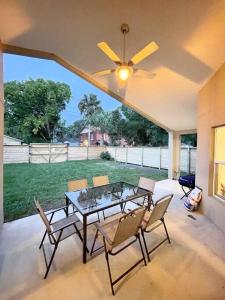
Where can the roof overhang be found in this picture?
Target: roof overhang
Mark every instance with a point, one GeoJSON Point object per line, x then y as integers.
{"type": "Point", "coordinates": [190, 35]}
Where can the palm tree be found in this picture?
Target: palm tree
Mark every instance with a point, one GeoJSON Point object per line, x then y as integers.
{"type": "Point", "coordinates": [89, 105]}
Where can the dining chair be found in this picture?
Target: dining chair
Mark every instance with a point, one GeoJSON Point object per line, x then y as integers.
{"type": "Point", "coordinates": [56, 231]}
{"type": "Point", "coordinates": [76, 185]}
{"type": "Point", "coordinates": [100, 180]}
{"type": "Point", "coordinates": [122, 233]}
{"type": "Point", "coordinates": [154, 219]}
{"type": "Point", "coordinates": [146, 184]}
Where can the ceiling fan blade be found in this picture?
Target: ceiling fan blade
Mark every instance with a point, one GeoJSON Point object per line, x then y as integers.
{"type": "Point", "coordinates": [143, 73]}
{"type": "Point", "coordinates": [109, 52]}
{"type": "Point", "coordinates": [103, 72]}
{"type": "Point", "coordinates": [146, 51]}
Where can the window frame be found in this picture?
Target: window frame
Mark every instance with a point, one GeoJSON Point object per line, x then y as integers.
{"type": "Point", "coordinates": [216, 163]}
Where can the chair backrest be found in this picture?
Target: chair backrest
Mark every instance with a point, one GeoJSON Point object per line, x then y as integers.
{"type": "Point", "coordinates": [128, 226]}
{"type": "Point", "coordinates": [42, 215]}
{"type": "Point", "coordinates": [147, 184]}
{"type": "Point", "coordinates": [76, 185]}
{"type": "Point", "coordinates": [159, 209]}
{"type": "Point", "coordinates": [100, 180]}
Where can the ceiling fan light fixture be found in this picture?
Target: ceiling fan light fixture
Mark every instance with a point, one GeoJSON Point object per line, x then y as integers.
{"type": "Point", "coordinates": [124, 72]}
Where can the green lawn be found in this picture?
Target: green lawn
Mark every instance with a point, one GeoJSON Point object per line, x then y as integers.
{"type": "Point", "coordinates": [48, 182]}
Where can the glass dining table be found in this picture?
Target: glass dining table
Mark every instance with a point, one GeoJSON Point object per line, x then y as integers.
{"type": "Point", "coordinates": [95, 199]}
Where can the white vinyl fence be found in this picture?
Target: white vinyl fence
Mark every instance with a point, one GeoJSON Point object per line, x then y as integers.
{"type": "Point", "coordinates": [156, 157]}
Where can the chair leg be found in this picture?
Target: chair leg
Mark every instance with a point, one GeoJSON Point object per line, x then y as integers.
{"type": "Point", "coordinates": [51, 260]}
{"type": "Point", "coordinates": [103, 215]}
{"type": "Point", "coordinates": [80, 236]}
{"type": "Point", "coordinates": [167, 234]}
{"type": "Point", "coordinates": [138, 236]}
{"type": "Point", "coordinates": [146, 249]}
{"type": "Point", "coordinates": [93, 245]}
{"type": "Point", "coordinates": [108, 266]}
{"type": "Point", "coordinates": [42, 241]}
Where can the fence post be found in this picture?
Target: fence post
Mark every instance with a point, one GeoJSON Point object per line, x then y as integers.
{"type": "Point", "coordinates": [189, 160]}
{"type": "Point", "coordinates": [49, 153]}
{"type": "Point", "coordinates": [160, 153]}
{"type": "Point", "coordinates": [126, 154]}
{"type": "Point", "coordinates": [29, 146]}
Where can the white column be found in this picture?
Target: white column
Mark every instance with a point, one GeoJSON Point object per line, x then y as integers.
{"type": "Point", "coordinates": [174, 155]}
{"type": "Point", "coordinates": [1, 135]}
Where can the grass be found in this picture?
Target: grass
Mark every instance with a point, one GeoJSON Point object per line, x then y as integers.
{"type": "Point", "coordinates": [48, 182]}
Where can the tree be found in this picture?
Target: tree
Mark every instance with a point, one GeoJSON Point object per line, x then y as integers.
{"type": "Point", "coordinates": [89, 106]}
{"type": "Point", "coordinates": [137, 130]}
{"type": "Point", "coordinates": [33, 107]}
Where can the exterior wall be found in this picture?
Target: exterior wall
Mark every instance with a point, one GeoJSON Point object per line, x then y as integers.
{"type": "Point", "coordinates": [211, 113]}
{"type": "Point", "coordinates": [1, 135]}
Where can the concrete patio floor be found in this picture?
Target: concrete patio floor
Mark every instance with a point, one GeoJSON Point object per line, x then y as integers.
{"type": "Point", "coordinates": [191, 267]}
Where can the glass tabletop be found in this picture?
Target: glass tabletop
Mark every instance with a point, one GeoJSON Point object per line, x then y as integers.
{"type": "Point", "coordinates": [95, 199]}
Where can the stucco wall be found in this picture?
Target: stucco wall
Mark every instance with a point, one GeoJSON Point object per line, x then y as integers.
{"type": "Point", "coordinates": [211, 113]}
{"type": "Point", "coordinates": [1, 135]}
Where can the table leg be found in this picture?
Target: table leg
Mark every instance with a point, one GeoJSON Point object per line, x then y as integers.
{"type": "Point", "coordinates": [67, 208]}
{"type": "Point", "coordinates": [84, 239]}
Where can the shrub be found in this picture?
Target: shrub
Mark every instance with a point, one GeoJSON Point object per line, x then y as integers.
{"type": "Point", "coordinates": [105, 155]}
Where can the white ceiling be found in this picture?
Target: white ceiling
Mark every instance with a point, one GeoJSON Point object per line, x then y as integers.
{"type": "Point", "coordinates": [191, 36]}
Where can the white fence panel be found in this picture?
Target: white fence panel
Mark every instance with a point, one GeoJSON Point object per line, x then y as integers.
{"type": "Point", "coordinates": [112, 151]}
{"type": "Point", "coordinates": [121, 154]}
{"type": "Point", "coordinates": [151, 157]}
{"type": "Point", "coordinates": [16, 154]}
{"type": "Point", "coordinates": [94, 152]}
{"type": "Point", "coordinates": [134, 156]}
{"type": "Point", "coordinates": [184, 156]}
{"type": "Point", "coordinates": [77, 153]}
{"type": "Point", "coordinates": [164, 158]}
{"type": "Point", "coordinates": [193, 154]}
{"type": "Point", "coordinates": [58, 153]}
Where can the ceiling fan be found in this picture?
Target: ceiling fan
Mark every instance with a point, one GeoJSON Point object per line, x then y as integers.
{"type": "Point", "coordinates": [125, 69]}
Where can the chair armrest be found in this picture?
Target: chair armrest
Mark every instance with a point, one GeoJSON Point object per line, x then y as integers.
{"type": "Point", "coordinates": [57, 209]}
{"type": "Point", "coordinates": [103, 232]}
{"type": "Point", "coordinates": [63, 227]}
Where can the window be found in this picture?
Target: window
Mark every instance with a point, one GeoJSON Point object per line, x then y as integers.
{"type": "Point", "coordinates": [219, 162]}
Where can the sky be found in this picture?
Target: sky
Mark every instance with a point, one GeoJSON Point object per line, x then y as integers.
{"type": "Point", "coordinates": [22, 68]}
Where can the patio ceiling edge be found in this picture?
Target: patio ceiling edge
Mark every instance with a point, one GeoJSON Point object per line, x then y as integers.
{"type": "Point", "coordinates": [10, 49]}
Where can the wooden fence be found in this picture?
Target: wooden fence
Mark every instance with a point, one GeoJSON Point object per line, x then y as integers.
{"type": "Point", "coordinates": [156, 157]}
{"type": "Point", "coordinates": [48, 153]}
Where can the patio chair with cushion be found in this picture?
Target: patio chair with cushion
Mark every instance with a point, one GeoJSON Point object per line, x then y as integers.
{"type": "Point", "coordinates": [154, 219]}
{"type": "Point", "coordinates": [100, 180]}
{"type": "Point", "coordinates": [121, 232]}
{"type": "Point", "coordinates": [57, 231]}
{"type": "Point", "coordinates": [76, 185]}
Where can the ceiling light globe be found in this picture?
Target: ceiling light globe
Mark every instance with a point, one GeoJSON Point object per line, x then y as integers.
{"type": "Point", "coordinates": [124, 72]}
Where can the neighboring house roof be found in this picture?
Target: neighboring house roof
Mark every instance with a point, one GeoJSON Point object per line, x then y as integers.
{"type": "Point", "coordinates": [86, 130]}
{"type": "Point", "coordinates": [12, 138]}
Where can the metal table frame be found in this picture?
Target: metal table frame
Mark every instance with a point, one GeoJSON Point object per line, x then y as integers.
{"type": "Point", "coordinates": [123, 201]}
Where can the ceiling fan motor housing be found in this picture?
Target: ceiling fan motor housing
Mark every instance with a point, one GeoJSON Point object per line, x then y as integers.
{"type": "Point", "coordinates": [125, 28]}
